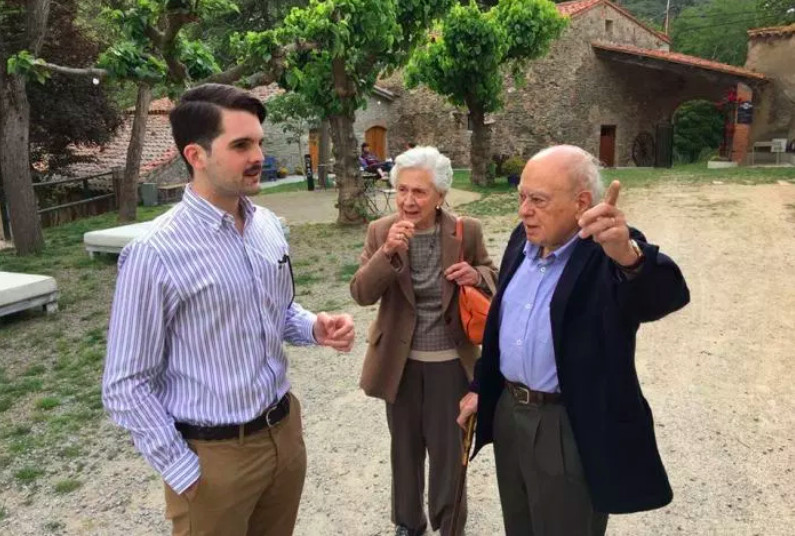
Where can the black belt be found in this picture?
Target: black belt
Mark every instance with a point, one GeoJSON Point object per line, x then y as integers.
{"type": "Point", "coordinates": [526, 396]}
{"type": "Point", "coordinates": [268, 419]}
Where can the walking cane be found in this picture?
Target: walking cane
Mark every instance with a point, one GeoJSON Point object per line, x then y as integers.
{"type": "Point", "coordinates": [462, 474]}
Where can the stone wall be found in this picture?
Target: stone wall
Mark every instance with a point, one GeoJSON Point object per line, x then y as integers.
{"type": "Point", "coordinates": [377, 113]}
{"type": "Point", "coordinates": [175, 172]}
{"type": "Point", "coordinates": [774, 102]}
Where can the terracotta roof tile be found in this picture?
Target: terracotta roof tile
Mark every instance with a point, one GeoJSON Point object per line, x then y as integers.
{"type": "Point", "coordinates": [578, 7]}
{"type": "Point", "coordinates": [772, 31]}
{"type": "Point", "coordinates": [683, 59]}
{"type": "Point", "coordinates": [575, 7]}
{"type": "Point", "coordinates": [159, 148]}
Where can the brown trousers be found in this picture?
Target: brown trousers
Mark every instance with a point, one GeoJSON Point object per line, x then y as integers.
{"type": "Point", "coordinates": [423, 418]}
{"type": "Point", "coordinates": [248, 487]}
{"type": "Point", "coordinates": [539, 472]}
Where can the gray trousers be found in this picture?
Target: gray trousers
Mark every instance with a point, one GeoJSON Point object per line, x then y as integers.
{"type": "Point", "coordinates": [422, 419]}
{"type": "Point", "coordinates": [539, 472]}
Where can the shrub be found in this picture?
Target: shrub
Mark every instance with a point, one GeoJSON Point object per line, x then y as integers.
{"type": "Point", "coordinates": [282, 172]}
{"type": "Point", "coordinates": [513, 166]}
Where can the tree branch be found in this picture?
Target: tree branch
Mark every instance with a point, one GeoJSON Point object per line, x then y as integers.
{"type": "Point", "coordinates": [92, 72]}
{"type": "Point", "coordinates": [230, 76]}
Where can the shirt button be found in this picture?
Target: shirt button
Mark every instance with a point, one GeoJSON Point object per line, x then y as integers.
{"type": "Point", "coordinates": [528, 306]}
{"type": "Point", "coordinates": [543, 269]}
{"type": "Point", "coordinates": [518, 342]}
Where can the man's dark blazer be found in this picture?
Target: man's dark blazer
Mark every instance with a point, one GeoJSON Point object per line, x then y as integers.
{"type": "Point", "coordinates": [595, 314]}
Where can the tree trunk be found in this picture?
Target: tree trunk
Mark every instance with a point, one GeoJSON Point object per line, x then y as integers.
{"type": "Point", "coordinates": [322, 153]}
{"type": "Point", "coordinates": [128, 194]}
{"type": "Point", "coordinates": [480, 147]}
{"type": "Point", "coordinates": [15, 164]}
{"type": "Point", "coordinates": [351, 202]}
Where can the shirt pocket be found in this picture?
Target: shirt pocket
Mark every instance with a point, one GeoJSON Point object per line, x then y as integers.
{"type": "Point", "coordinates": [275, 271]}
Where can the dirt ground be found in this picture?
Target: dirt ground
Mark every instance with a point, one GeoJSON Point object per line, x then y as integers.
{"type": "Point", "coordinates": [717, 375]}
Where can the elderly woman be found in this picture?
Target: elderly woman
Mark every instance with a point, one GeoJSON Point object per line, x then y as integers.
{"type": "Point", "coordinates": [418, 358]}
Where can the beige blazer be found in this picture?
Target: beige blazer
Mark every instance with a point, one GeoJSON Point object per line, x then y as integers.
{"type": "Point", "coordinates": [389, 279]}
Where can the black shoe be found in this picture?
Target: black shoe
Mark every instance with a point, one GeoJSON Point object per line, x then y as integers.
{"type": "Point", "coordinates": [400, 530]}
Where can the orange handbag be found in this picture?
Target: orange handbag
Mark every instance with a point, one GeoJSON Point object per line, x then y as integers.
{"type": "Point", "coordinates": [473, 304]}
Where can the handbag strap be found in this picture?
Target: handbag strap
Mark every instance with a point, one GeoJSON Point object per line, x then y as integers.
{"type": "Point", "coordinates": [459, 232]}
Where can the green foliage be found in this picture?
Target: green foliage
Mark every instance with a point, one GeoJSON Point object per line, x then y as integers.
{"type": "Point", "coordinates": [25, 64]}
{"type": "Point", "coordinates": [780, 11]}
{"type": "Point", "coordinates": [254, 46]}
{"type": "Point", "coordinates": [530, 27]}
{"type": "Point", "coordinates": [135, 21]}
{"type": "Point", "coordinates": [698, 125]}
{"type": "Point", "coordinates": [513, 166]}
{"type": "Point", "coordinates": [464, 64]}
{"type": "Point", "coordinates": [717, 30]}
{"type": "Point", "coordinates": [294, 114]}
{"type": "Point", "coordinates": [198, 58]}
{"type": "Point", "coordinates": [360, 38]}
{"type": "Point", "coordinates": [128, 60]}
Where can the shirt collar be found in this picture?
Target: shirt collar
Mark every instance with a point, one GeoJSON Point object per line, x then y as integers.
{"type": "Point", "coordinates": [533, 251]}
{"type": "Point", "coordinates": [209, 213]}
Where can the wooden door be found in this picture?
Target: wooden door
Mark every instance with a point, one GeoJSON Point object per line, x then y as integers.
{"type": "Point", "coordinates": [376, 139]}
{"type": "Point", "coordinates": [314, 144]}
{"type": "Point", "coordinates": [607, 145]}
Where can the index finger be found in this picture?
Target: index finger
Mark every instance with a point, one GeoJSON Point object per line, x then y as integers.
{"type": "Point", "coordinates": [611, 196]}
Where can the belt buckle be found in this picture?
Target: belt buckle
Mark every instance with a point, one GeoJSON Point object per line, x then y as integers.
{"type": "Point", "coordinates": [268, 415]}
{"type": "Point", "coordinates": [525, 399]}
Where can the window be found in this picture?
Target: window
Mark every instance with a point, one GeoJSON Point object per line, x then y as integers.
{"type": "Point", "coordinates": [609, 28]}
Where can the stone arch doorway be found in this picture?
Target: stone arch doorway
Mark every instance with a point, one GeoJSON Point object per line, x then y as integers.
{"type": "Point", "coordinates": [375, 137]}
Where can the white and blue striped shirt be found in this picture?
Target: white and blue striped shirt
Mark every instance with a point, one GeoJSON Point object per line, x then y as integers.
{"type": "Point", "coordinates": [196, 330]}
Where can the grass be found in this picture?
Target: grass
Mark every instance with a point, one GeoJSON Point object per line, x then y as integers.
{"type": "Point", "coordinates": [62, 487]}
{"type": "Point", "coordinates": [54, 526]}
{"type": "Point", "coordinates": [28, 474]}
{"type": "Point", "coordinates": [346, 272]}
{"type": "Point", "coordinates": [290, 187]}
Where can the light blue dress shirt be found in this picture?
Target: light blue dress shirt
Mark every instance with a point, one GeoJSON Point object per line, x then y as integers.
{"type": "Point", "coordinates": [197, 326]}
{"type": "Point", "coordinates": [527, 355]}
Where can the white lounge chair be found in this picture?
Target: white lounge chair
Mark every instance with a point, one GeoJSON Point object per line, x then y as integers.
{"type": "Point", "coordinates": [114, 239]}
{"type": "Point", "coordinates": [25, 291]}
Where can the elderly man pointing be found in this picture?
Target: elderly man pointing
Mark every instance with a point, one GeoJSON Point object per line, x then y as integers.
{"type": "Point", "coordinates": [556, 388]}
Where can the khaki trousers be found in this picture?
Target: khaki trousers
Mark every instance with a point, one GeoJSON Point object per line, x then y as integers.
{"type": "Point", "coordinates": [423, 419]}
{"type": "Point", "coordinates": [248, 487]}
{"type": "Point", "coordinates": [539, 472]}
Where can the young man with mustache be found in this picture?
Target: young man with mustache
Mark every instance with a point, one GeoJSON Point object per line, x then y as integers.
{"type": "Point", "coordinates": [195, 367]}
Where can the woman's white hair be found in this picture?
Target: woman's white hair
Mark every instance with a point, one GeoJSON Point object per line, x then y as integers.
{"type": "Point", "coordinates": [429, 159]}
{"type": "Point", "coordinates": [584, 168]}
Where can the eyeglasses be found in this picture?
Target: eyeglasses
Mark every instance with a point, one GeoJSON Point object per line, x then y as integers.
{"type": "Point", "coordinates": [536, 200]}
{"type": "Point", "coordinates": [540, 201]}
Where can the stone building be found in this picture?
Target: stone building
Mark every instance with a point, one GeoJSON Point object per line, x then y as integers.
{"type": "Point", "coordinates": [608, 85]}
{"type": "Point", "coordinates": [771, 51]}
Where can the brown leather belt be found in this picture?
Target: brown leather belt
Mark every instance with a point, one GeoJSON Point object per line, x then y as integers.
{"type": "Point", "coordinates": [268, 419]}
{"type": "Point", "coordinates": [526, 396]}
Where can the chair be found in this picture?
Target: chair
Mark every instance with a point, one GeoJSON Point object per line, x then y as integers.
{"type": "Point", "coordinates": [269, 169]}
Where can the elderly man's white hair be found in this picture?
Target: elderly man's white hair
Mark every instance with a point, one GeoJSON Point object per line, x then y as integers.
{"type": "Point", "coordinates": [429, 159]}
{"type": "Point", "coordinates": [584, 168]}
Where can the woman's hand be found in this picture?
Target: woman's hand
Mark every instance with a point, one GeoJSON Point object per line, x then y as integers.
{"type": "Point", "coordinates": [397, 239]}
{"type": "Point", "coordinates": [463, 274]}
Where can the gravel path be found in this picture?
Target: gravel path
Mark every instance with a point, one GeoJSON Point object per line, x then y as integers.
{"type": "Point", "coordinates": [717, 375]}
